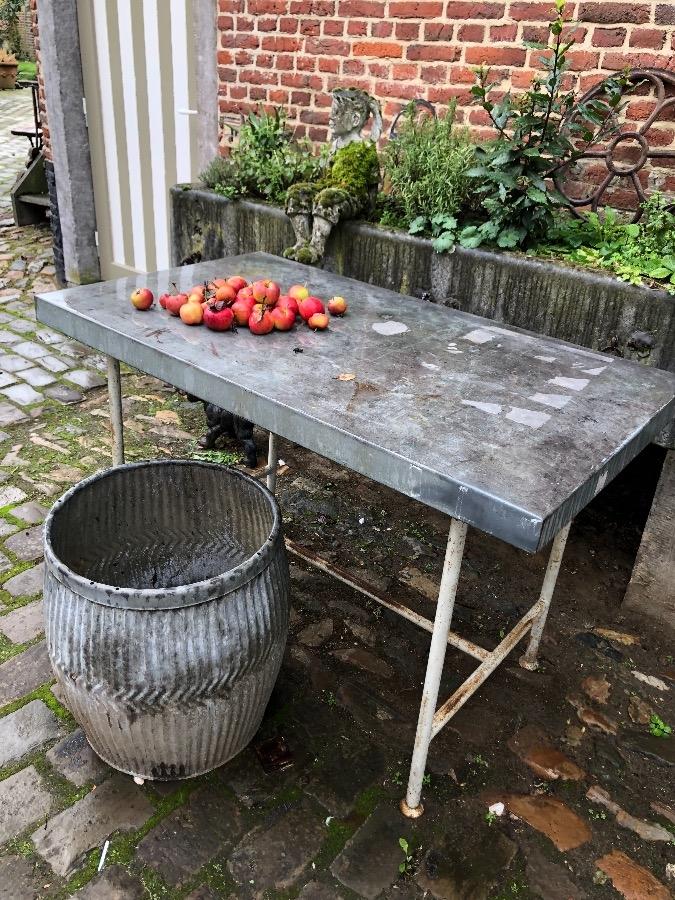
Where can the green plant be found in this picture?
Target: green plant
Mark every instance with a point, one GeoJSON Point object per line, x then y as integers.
{"type": "Point", "coordinates": [9, 24]}
{"type": "Point", "coordinates": [658, 727]}
{"type": "Point", "coordinates": [221, 457]}
{"type": "Point", "coordinates": [490, 818]}
{"type": "Point", "coordinates": [425, 168]}
{"type": "Point", "coordinates": [405, 867]}
{"type": "Point", "coordinates": [537, 134]}
{"type": "Point", "coordinates": [633, 251]}
{"type": "Point", "coordinates": [265, 163]}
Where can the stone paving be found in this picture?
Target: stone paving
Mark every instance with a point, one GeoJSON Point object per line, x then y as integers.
{"type": "Point", "coordinates": [16, 107]}
{"type": "Point", "coordinates": [546, 785]}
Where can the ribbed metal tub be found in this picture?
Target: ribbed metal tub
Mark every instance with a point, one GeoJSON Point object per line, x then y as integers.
{"type": "Point", "coordinates": [166, 606]}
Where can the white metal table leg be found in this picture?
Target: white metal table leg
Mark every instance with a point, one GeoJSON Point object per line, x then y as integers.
{"type": "Point", "coordinates": [116, 418]}
{"type": "Point", "coordinates": [272, 463]}
{"type": "Point", "coordinates": [411, 806]}
{"type": "Point", "coordinates": [529, 659]}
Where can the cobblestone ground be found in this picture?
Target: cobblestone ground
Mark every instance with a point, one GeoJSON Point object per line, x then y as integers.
{"type": "Point", "coordinates": [586, 788]}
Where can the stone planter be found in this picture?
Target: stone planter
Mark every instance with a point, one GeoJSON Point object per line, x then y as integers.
{"type": "Point", "coordinates": [586, 308]}
{"type": "Point", "coordinates": [166, 607]}
{"type": "Point", "coordinates": [8, 73]}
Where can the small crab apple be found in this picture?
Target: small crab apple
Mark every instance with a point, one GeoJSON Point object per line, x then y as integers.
{"type": "Point", "coordinates": [197, 289]}
{"type": "Point", "coordinates": [242, 309]}
{"type": "Point", "coordinates": [298, 292]}
{"type": "Point", "coordinates": [319, 321]}
{"type": "Point", "coordinates": [283, 318]}
{"type": "Point", "coordinates": [142, 298]}
{"type": "Point", "coordinates": [266, 292]}
{"type": "Point", "coordinates": [216, 283]}
{"type": "Point", "coordinates": [309, 306]}
{"type": "Point", "coordinates": [288, 302]}
{"type": "Point", "coordinates": [260, 321]}
{"type": "Point", "coordinates": [191, 313]}
{"type": "Point", "coordinates": [237, 282]}
{"type": "Point", "coordinates": [162, 300]}
{"type": "Point", "coordinates": [174, 303]}
{"type": "Point", "coordinates": [225, 293]}
{"type": "Point", "coordinates": [337, 306]}
{"type": "Point", "coordinates": [218, 316]}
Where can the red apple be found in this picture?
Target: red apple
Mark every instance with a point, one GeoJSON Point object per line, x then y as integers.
{"type": "Point", "coordinates": [192, 313]}
{"type": "Point", "coordinates": [283, 318]}
{"type": "Point", "coordinates": [260, 321]}
{"type": "Point", "coordinates": [174, 303]}
{"type": "Point", "coordinates": [299, 292]}
{"type": "Point", "coordinates": [237, 282]}
{"type": "Point", "coordinates": [266, 292]}
{"type": "Point", "coordinates": [288, 302]}
{"type": "Point", "coordinates": [225, 293]}
{"type": "Point", "coordinates": [216, 283]}
{"type": "Point", "coordinates": [242, 309]}
{"type": "Point", "coordinates": [142, 298]}
{"type": "Point", "coordinates": [197, 289]}
{"type": "Point", "coordinates": [218, 316]}
{"type": "Point", "coordinates": [163, 299]}
{"type": "Point", "coordinates": [309, 306]}
{"type": "Point", "coordinates": [319, 321]}
{"type": "Point", "coordinates": [337, 306]}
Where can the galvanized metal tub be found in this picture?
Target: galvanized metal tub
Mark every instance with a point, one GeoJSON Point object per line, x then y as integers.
{"type": "Point", "coordinates": [166, 606]}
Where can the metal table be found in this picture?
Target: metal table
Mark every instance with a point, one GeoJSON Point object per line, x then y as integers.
{"type": "Point", "coordinates": [502, 429]}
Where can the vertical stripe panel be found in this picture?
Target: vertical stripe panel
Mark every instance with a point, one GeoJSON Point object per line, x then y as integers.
{"type": "Point", "coordinates": [179, 44]}
{"type": "Point", "coordinates": [115, 126]}
{"type": "Point", "coordinates": [130, 133]}
{"type": "Point", "coordinates": [156, 121]}
{"type": "Point", "coordinates": [143, 62]}
{"type": "Point", "coordinates": [107, 117]}
{"type": "Point", "coordinates": [193, 100]}
{"type": "Point", "coordinates": [166, 64]}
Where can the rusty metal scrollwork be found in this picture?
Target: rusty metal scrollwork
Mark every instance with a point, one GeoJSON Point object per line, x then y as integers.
{"type": "Point", "coordinates": [618, 168]}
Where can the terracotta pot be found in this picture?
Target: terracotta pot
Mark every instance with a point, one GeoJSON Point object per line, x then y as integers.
{"type": "Point", "coordinates": [8, 73]}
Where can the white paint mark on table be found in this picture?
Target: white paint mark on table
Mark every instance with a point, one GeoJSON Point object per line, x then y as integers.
{"type": "Point", "coordinates": [431, 366]}
{"type": "Point", "coordinates": [602, 481]}
{"type": "Point", "coordinates": [595, 371]}
{"type": "Point", "coordinates": [573, 384]}
{"type": "Point", "coordinates": [557, 401]}
{"type": "Point", "coordinates": [546, 358]}
{"type": "Point", "coordinates": [478, 336]}
{"type": "Point", "coordinates": [530, 417]}
{"type": "Point", "coordinates": [389, 328]}
{"type": "Point", "coordinates": [493, 408]}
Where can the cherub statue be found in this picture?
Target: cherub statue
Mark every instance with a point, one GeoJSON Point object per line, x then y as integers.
{"type": "Point", "coordinates": [349, 183]}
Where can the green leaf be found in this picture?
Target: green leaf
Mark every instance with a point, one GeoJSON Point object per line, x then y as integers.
{"type": "Point", "coordinates": [537, 195]}
{"type": "Point", "coordinates": [403, 844]}
{"type": "Point", "coordinates": [444, 242]}
{"type": "Point", "coordinates": [476, 172]}
{"type": "Point", "coordinates": [418, 225]}
{"type": "Point", "coordinates": [660, 272]}
{"type": "Point", "coordinates": [633, 230]}
{"type": "Point", "coordinates": [510, 237]}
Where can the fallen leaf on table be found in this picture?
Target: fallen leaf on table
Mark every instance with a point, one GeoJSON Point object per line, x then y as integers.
{"type": "Point", "coordinates": [167, 415]}
{"type": "Point", "coordinates": [345, 376]}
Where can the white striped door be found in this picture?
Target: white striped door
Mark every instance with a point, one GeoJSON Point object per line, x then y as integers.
{"type": "Point", "coordinates": [138, 62]}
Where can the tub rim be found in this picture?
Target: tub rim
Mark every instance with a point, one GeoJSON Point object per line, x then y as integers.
{"type": "Point", "coordinates": [164, 598]}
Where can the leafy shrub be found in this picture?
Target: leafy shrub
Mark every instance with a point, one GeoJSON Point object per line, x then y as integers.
{"type": "Point", "coordinates": [425, 168]}
{"type": "Point", "coordinates": [535, 137]}
{"type": "Point", "coordinates": [265, 163]}
{"type": "Point", "coordinates": [632, 251]}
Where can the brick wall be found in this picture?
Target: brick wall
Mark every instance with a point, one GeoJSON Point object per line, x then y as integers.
{"type": "Point", "coordinates": [43, 106]}
{"type": "Point", "coordinates": [293, 52]}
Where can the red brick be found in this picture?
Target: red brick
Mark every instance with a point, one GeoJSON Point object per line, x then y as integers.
{"type": "Point", "coordinates": [285, 62]}
{"type": "Point", "coordinates": [396, 89]}
{"type": "Point", "coordinates": [353, 67]}
{"type": "Point", "coordinates": [608, 37]}
{"type": "Point", "coordinates": [357, 28]}
{"type": "Point", "coordinates": [227, 74]}
{"type": "Point", "coordinates": [278, 97]}
{"type": "Point", "coordinates": [434, 52]}
{"type": "Point", "coordinates": [255, 76]}
{"type": "Point", "coordinates": [305, 63]}
{"type": "Point", "coordinates": [652, 38]}
{"type": "Point", "coordinates": [225, 23]}
{"type": "Point", "coordinates": [438, 31]}
{"type": "Point", "coordinates": [257, 93]}
{"type": "Point", "coordinates": [244, 23]}
{"type": "Point", "coordinates": [379, 70]}
{"type": "Point", "coordinates": [315, 116]}
{"type": "Point", "coordinates": [333, 27]}
{"type": "Point", "coordinates": [301, 98]}
{"type": "Point", "coordinates": [409, 9]}
{"type": "Point", "coordinates": [462, 75]}
{"type": "Point", "coordinates": [531, 12]}
{"type": "Point", "coordinates": [407, 31]}
{"type": "Point", "coordinates": [582, 60]}
{"type": "Point", "coordinates": [665, 14]}
{"type": "Point", "coordinates": [310, 27]}
{"type": "Point", "coordinates": [300, 80]}
{"type": "Point", "coordinates": [329, 65]}
{"type": "Point", "coordinates": [460, 9]}
{"type": "Point", "coordinates": [288, 25]}
{"type": "Point", "coordinates": [503, 32]}
{"type": "Point", "coordinates": [320, 135]}
{"type": "Point", "coordinates": [281, 44]}
{"type": "Point", "coordinates": [237, 91]}
{"type": "Point", "coordinates": [231, 6]}
{"type": "Point", "coordinates": [614, 13]}
{"type": "Point", "coordinates": [224, 57]}
{"type": "Point", "coordinates": [371, 9]}
{"type": "Point", "coordinates": [660, 137]}
{"type": "Point", "coordinates": [265, 61]}
{"type": "Point", "coordinates": [312, 8]}
{"type": "Point", "coordinates": [495, 56]}
{"type": "Point", "coordinates": [381, 29]}
{"type": "Point", "coordinates": [326, 47]}
{"type": "Point", "coordinates": [246, 41]}
{"type": "Point", "coordinates": [404, 72]}
{"type": "Point", "coordinates": [479, 117]}
{"type": "Point", "coordinates": [537, 33]}
{"type": "Point", "coordinates": [472, 34]}
{"type": "Point", "coordinates": [267, 7]}
{"type": "Point", "coordinates": [243, 58]}
{"type": "Point", "coordinates": [385, 49]}
{"type": "Point", "coordinates": [618, 61]}
{"type": "Point", "coordinates": [434, 74]}
{"type": "Point", "coordinates": [270, 24]}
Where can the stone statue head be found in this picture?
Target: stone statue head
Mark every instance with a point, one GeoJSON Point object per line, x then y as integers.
{"type": "Point", "coordinates": [350, 111]}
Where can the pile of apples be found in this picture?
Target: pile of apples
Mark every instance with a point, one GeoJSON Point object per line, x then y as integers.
{"type": "Point", "coordinates": [227, 303]}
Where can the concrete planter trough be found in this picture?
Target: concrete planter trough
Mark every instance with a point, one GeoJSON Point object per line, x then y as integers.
{"type": "Point", "coordinates": [166, 606]}
{"type": "Point", "coordinates": [583, 307]}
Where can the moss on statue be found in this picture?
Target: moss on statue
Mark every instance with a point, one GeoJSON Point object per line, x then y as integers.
{"type": "Point", "coordinates": [356, 169]}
